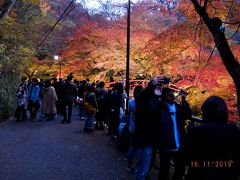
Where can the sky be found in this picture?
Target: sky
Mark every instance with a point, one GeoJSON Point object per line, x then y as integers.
{"type": "Point", "coordinates": [93, 4]}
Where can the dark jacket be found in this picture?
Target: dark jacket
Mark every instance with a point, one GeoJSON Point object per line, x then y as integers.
{"type": "Point", "coordinates": [165, 137]}
{"type": "Point", "coordinates": [101, 94]}
{"type": "Point", "coordinates": [81, 90]}
{"type": "Point", "coordinates": [58, 86]}
{"type": "Point", "coordinates": [146, 126]}
{"type": "Point", "coordinates": [213, 152]}
{"type": "Point", "coordinates": [90, 97]}
{"type": "Point", "coordinates": [69, 92]}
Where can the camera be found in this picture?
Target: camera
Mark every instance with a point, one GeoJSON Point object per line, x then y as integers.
{"type": "Point", "coordinates": [183, 93]}
{"type": "Point", "coordinates": [162, 80]}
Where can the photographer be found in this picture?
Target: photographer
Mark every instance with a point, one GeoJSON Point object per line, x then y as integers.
{"type": "Point", "coordinates": [171, 117]}
{"type": "Point", "coordinates": [144, 138]}
{"type": "Point", "coordinates": [146, 124]}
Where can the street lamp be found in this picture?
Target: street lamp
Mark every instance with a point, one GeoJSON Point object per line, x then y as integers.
{"type": "Point", "coordinates": [56, 57]}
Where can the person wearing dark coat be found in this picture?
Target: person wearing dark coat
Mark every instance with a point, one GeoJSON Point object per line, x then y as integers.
{"type": "Point", "coordinates": [212, 149]}
{"type": "Point", "coordinates": [144, 138]}
{"type": "Point", "coordinates": [171, 132]}
{"type": "Point", "coordinates": [101, 94]}
{"type": "Point", "coordinates": [81, 90]}
{"type": "Point", "coordinates": [58, 85]}
{"type": "Point", "coordinates": [69, 97]}
{"type": "Point", "coordinates": [116, 104]}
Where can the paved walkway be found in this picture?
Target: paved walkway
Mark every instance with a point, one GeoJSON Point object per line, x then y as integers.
{"type": "Point", "coordinates": [50, 150]}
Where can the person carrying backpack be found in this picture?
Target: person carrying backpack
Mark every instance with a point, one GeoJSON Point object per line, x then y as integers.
{"type": "Point", "coordinates": [91, 107]}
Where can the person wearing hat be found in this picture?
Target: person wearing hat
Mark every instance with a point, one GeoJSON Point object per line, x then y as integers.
{"type": "Point", "coordinates": [146, 125]}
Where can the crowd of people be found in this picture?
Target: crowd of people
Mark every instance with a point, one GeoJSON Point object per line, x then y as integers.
{"type": "Point", "coordinates": [53, 97]}
{"type": "Point", "coordinates": [152, 120]}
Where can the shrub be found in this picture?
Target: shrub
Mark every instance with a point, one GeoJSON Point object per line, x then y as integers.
{"type": "Point", "coordinates": [8, 83]}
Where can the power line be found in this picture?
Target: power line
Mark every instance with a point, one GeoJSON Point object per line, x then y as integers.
{"type": "Point", "coordinates": [70, 10]}
{"type": "Point", "coordinates": [64, 14]}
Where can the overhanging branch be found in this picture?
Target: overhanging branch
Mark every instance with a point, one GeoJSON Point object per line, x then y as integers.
{"type": "Point", "coordinates": [6, 8]}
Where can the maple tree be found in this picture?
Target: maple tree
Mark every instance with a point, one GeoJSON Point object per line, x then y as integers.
{"type": "Point", "coordinates": [23, 24]}
{"type": "Point", "coordinates": [179, 47]}
{"type": "Point", "coordinates": [211, 14]}
{"type": "Point", "coordinates": [102, 47]}
{"type": "Point", "coordinates": [173, 53]}
{"type": "Point", "coordinates": [167, 38]}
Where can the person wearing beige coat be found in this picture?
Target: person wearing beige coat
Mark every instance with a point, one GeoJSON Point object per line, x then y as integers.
{"type": "Point", "coordinates": [49, 101]}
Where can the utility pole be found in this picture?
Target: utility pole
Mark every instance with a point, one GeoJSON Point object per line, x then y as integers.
{"type": "Point", "coordinates": [60, 67]}
{"type": "Point", "coordinates": [128, 48]}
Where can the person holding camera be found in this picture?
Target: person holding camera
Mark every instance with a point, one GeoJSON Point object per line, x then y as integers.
{"type": "Point", "coordinates": [146, 125]}
{"type": "Point", "coordinates": [170, 117]}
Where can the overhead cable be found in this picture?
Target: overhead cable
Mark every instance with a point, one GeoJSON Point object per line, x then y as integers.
{"type": "Point", "coordinates": [63, 15]}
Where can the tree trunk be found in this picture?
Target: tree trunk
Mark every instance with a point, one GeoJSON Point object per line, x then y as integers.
{"type": "Point", "coordinates": [6, 8]}
{"type": "Point", "coordinates": [228, 59]}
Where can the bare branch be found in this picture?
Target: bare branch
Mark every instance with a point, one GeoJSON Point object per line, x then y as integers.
{"type": "Point", "coordinates": [196, 4]}
{"type": "Point", "coordinates": [199, 52]}
{"type": "Point", "coordinates": [201, 11]}
{"type": "Point", "coordinates": [185, 48]}
{"type": "Point", "coordinates": [195, 36]}
{"type": "Point", "coordinates": [25, 12]}
{"type": "Point", "coordinates": [6, 8]}
{"type": "Point", "coordinates": [184, 12]}
{"type": "Point", "coordinates": [208, 59]}
{"type": "Point", "coordinates": [235, 32]}
{"type": "Point", "coordinates": [213, 6]}
{"type": "Point", "coordinates": [232, 23]}
{"type": "Point", "coordinates": [205, 4]}
{"type": "Point", "coordinates": [230, 9]}
{"type": "Point", "coordinates": [28, 75]}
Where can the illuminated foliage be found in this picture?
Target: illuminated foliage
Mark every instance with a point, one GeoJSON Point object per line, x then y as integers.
{"type": "Point", "coordinates": [167, 38]}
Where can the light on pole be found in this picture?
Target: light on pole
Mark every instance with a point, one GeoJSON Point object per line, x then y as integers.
{"type": "Point", "coordinates": [56, 57]}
